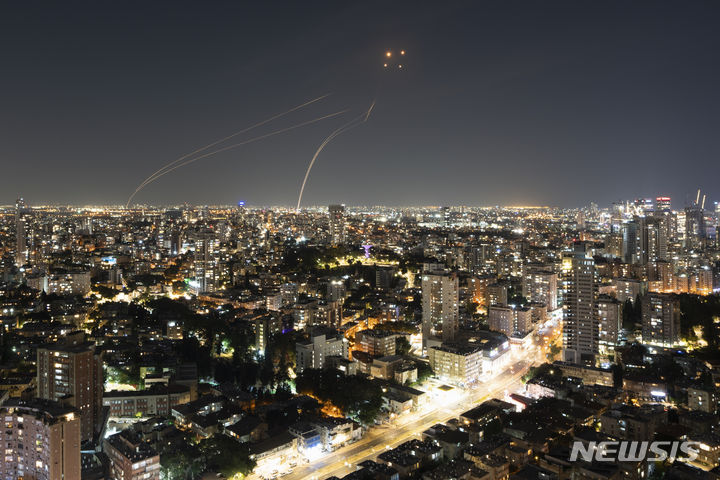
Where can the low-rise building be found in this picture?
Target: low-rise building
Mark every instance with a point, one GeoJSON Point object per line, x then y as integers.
{"type": "Point", "coordinates": [632, 423]}
{"type": "Point", "coordinates": [411, 456]}
{"type": "Point", "coordinates": [588, 375]}
{"type": "Point", "coordinates": [387, 367]}
{"type": "Point", "coordinates": [378, 343]}
{"type": "Point", "coordinates": [702, 399]}
{"type": "Point", "coordinates": [157, 400]}
{"type": "Point", "coordinates": [645, 388]}
{"type": "Point", "coordinates": [277, 450]}
{"type": "Point", "coordinates": [131, 458]}
{"type": "Point", "coordinates": [323, 343]}
{"type": "Point", "coordinates": [457, 363]}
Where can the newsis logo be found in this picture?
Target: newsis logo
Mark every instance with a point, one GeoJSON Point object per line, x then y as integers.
{"type": "Point", "coordinates": [633, 451]}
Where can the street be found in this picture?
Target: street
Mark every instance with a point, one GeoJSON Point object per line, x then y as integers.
{"type": "Point", "coordinates": [377, 439]}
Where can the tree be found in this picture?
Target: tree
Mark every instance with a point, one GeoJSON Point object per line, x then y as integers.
{"type": "Point", "coordinates": [553, 352]}
{"type": "Point", "coordinates": [358, 398]}
{"type": "Point", "coordinates": [617, 372]}
{"type": "Point", "coordinates": [632, 314]}
{"type": "Point", "coordinates": [105, 292]}
{"type": "Point", "coordinates": [698, 311]}
{"type": "Point", "coordinates": [402, 346]}
{"type": "Point", "coordinates": [494, 427]}
{"type": "Point", "coordinates": [425, 371]}
{"type": "Point", "coordinates": [180, 464]}
{"type": "Point", "coordinates": [544, 370]}
{"type": "Point", "coordinates": [226, 455]}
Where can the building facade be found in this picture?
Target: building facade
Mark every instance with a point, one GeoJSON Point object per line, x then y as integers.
{"type": "Point", "coordinates": [580, 322]}
{"type": "Point", "coordinates": [313, 353]}
{"type": "Point", "coordinates": [440, 308]}
{"type": "Point", "coordinates": [40, 441]}
{"type": "Point", "coordinates": [72, 373]}
{"type": "Point", "coordinates": [660, 319]}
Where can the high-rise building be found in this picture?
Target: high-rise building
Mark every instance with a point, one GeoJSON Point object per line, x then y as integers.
{"type": "Point", "coordinates": [71, 372]}
{"type": "Point", "coordinates": [384, 277]}
{"type": "Point", "coordinates": [702, 281]}
{"type": "Point", "coordinates": [445, 214]}
{"type": "Point", "coordinates": [631, 242]}
{"type": "Point", "coordinates": [655, 239]}
{"type": "Point", "coordinates": [175, 243]}
{"type": "Point", "coordinates": [501, 319]}
{"type": "Point", "coordinates": [616, 217]}
{"type": "Point", "coordinates": [627, 289]}
{"type": "Point", "coordinates": [496, 294]}
{"type": "Point", "coordinates": [645, 239]}
{"type": "Point", "coordinates": [21, 220]}
{"type": "Point", "coordinates": [273, 301]}
{"type": "Point", "coordinates": [609, 312]}
{"type": "Point", "coordinates": [664, 275]}
{"type": "Point", "coordinates": [478, 257]}
{"type": "Point", "coordinates": [40, 441]}
{"type": "Point", "coordinates": [440, 295]}
{"type": "Point", "coordinates": [662, 204]}
{"type": "Point", "coordinates": [289, 293]}
{"type": "Point", "coordinates": [540, 286]}
{"type": "Point", "coordinates": [510, 320]}
{"type": "Point", "coordinates": [660, 319]}
{"type": "Point", "coordinates": [580, 321]}
{"type": "Point", "coordinates": [614, 244]}
{"type": "Point", "coordinates": [336, 290]}
{"type": "Point", "coordinates": [644, 205]}
{"type": "Point", "coordinates": [522, 320]}
{"type": "Point", "coordinates": [337, 224]}
{"type": "Point", "coordinates": [695, 228]}
{"type": "Point", "coordinates": [205, 261]}
{"type": "Point", "coordinates": [265, 327]}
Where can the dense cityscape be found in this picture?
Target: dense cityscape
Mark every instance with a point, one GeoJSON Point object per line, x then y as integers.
{"type": "Point", "coordinates": [357, 342]}
{"type": "Point", "coordinates": [360, 240]}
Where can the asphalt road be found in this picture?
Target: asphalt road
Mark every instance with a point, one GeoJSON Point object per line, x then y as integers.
{"type": "Point", "coordinates": [410, 425]}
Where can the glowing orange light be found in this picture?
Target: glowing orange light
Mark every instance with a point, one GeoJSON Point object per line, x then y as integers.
{"type": "Point", "coordinates": [385, 65]}
{"type": "Point", "coordinates": [388, 54]}
{"type": "Point", "coordinates": [402, 52]}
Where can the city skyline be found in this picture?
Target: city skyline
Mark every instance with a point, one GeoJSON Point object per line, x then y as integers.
{"type": "Point", "coordinates": [708, 205]}
{"type": "Point", "coordinates": [512, 104]}
{"type": "Point", "coordinates": [410, 240]}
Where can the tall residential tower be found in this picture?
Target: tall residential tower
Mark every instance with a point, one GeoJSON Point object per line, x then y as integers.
{"type": "Point", "coordinates": [580, 319]}
{"type": "Point", "coordinates": [337, 224]}
{"type": "Point", "coordinates": [440, 295]}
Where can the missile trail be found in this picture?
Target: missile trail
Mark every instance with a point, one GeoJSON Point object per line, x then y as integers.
{"type": "Point", "coordinates": [229, 147]}
{"type": "Point", "coordinates": [259, 124]}
{"type": "Point", "coordinates": [372, 105]}
{"type": "Point", "coordinates": [335, 133]}
{"type": "Point", "coordinates": [244, 130]}
{"type": "Point", "coordinates": [348, 126]}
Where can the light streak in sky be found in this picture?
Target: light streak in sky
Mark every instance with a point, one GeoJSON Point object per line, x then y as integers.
{"type": "Point", "coordinates": [165, 168]}
{"type": "Point", "coordinates": [348, 126]}
{"type": "Point", "coordinates": [151, 179]}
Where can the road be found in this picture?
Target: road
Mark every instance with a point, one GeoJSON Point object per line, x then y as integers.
{"type": "Point", "coordinates": [409, 426]}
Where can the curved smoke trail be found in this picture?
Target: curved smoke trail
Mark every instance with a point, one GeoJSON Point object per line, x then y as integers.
{"type": "Point", "coordinates": [229, 147]}
{"type": "Point", "coordinates": [348, 126]}
{"type": "Point", "coordinates": [224, 139]}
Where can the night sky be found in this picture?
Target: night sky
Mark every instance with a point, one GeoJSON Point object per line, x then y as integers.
{"type": "Point", "coordinates": [498, 103]}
